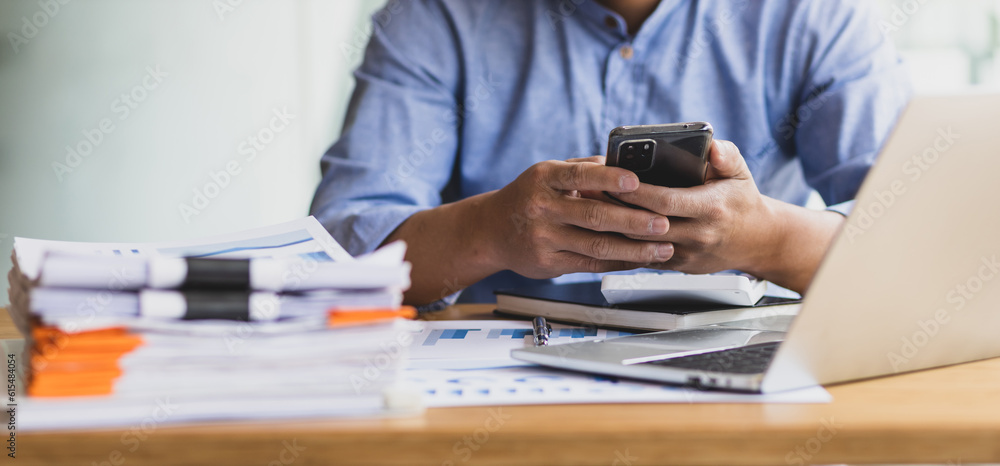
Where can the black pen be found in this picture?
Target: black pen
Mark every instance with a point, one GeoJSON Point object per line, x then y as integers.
{"type": "Point", "coordinates": [541, 330]}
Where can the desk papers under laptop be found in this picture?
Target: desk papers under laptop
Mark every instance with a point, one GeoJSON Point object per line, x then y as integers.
{"type": "Point", "coordinates": [468, 363]}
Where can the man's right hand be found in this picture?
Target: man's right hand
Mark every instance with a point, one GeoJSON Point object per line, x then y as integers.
{"type": "Point", "coordinates": [540, 227]}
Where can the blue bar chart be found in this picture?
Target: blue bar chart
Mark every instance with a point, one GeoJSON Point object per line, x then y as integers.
{"type": "Point", "coordinates": [437, 335]}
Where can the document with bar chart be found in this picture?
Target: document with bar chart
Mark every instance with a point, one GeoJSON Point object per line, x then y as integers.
{"type": "Point", "coordinates": [538, 385]}
{"type": "Point", "coordinates": [468, 363]}
{"type": "Point", "coordinates": [477, 344]}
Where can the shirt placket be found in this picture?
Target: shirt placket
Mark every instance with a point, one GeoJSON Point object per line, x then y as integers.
{"type": "Point", "coordinates": [621, 85]}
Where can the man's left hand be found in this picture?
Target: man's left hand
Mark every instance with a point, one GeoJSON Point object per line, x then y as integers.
{"type": "Point", "coordinates": [724, 224]}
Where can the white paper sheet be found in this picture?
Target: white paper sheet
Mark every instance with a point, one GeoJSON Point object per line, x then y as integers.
{"type": "Point", "coordinates": [480, 344]}
{"type": "Point", "coordinates": [302, 237]}
{"type": "Point", "coordinates": [537, 385]}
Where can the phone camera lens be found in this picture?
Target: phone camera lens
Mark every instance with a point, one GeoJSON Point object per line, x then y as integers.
{"type": "Point", "coordinates": [637, 155]}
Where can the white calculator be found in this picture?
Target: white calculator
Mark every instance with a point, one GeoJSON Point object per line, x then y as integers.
{"type": "Point", "coordinates": [731, 289]}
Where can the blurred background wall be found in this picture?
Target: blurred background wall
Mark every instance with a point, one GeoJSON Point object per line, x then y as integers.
{"type": "Point", "coordinates": [949, 45]}
{"type": "Point", "coordinates": [117, 115]}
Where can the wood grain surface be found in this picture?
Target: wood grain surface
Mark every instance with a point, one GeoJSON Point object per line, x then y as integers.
{"type": "Point", "coordinates": [947, 415]}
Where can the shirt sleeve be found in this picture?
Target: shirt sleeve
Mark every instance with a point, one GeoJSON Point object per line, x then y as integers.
{"type": "Point", "coordinates": [397, 149]}
{"type": "Point", "coordinates": [856, 87]}
{"type": "Point", "coordinates": [844, 208]}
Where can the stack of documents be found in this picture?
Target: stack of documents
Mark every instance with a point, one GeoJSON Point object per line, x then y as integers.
{"type": "Point", "coordinates": [274, 322]}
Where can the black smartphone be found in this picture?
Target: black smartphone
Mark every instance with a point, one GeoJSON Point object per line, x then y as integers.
{"type": "Point", "coordinates": [673, 155]}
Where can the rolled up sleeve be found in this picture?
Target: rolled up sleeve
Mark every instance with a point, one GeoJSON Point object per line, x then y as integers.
{"type": "Point", "coordinates": [397, 149]}
{"type": "Point", "coordinates": [856, 89]}
{"type": "Point", "coordinates": [844, 208]}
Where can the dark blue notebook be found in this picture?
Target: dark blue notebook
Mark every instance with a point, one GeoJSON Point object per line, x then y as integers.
{"type": "Point", "coordinates": [583, 303]}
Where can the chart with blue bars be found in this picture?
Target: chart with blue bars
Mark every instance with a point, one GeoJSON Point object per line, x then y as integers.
{"type": "Point", "coordinates": [437, 335]}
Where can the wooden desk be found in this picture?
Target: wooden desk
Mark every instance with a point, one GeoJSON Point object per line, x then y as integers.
{"type": "Point", "coordinates": [949, 415]}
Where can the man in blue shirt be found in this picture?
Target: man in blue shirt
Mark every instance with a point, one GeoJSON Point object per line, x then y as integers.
{"type": "Point", "coordinates": [465, 111]}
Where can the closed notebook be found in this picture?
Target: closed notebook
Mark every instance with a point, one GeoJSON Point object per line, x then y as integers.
{"type": "Point", "coordinates": [583, 303]}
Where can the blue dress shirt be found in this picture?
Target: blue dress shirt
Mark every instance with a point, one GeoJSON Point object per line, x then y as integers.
{"type": "Point", "coordinates": [458, 97]}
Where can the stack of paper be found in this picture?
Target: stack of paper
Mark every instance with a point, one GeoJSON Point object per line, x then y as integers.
{"type": "Point", "coordinates": [279, 321]}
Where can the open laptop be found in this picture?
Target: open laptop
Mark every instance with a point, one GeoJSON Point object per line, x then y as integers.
{"type": "Point", "coordinates": [911, 282]}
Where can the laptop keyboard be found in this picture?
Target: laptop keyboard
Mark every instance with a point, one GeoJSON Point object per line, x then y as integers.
{"type": "Point", "coordinates": [744, 360]}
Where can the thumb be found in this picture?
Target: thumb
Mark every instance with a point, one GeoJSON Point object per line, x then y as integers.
{"type": "Point", "coordinates": [725, 161]}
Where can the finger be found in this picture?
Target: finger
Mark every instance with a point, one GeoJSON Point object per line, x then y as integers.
{"type": "Point", "coordinates": [668, 265]}
{"type": "Point", "coordinates": [671, 202]}
{"type": "Point", "coordinates": [683, 231]}
{"type": "Point", "coordinates": [589, 177]}
{"type": "Point", "coordinates": [611, 247]}
{"type": "Point", "coordinates": [679, 263]}
{"type": "Point", "coordinates": [602, 216]}
{"type": "Point", "coordinates": [725, 161]}
{"type": "Point", "coordinates": [603, 196]}
{"type": "Point", "coordinates": [580, 263]}
{"type": "Point", "coordinates": [683, 260]}
{"type": "Point", "coordinates": [598, 159]}
{"type": "Point", "coordinates": [595, 195]}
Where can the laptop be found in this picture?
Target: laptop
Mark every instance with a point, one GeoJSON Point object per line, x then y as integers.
{"type": "Point", "coordinates": [911, 282]}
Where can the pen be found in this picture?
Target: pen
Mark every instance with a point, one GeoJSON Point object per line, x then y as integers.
{"type": "Point", "coordinates": [541, 330]}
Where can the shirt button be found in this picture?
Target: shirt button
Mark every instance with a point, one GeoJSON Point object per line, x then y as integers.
{"type": "Point", "coordinates": [610, 22]}
{"type": "Point", "coordinates": [626, 52]}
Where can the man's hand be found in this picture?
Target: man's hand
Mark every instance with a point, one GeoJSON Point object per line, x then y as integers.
{"type": "Point", "coordinates": [720, 225]}
{"type": "Point", "coordinates": [541, 227]}
{"type": "Point", "coordinates": [728, 224]}
{"type": "Point", "coordinates": [554, 219]}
